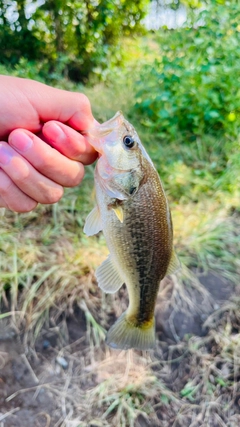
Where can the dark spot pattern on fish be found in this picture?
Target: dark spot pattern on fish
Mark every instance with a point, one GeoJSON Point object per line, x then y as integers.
{"type": "Point", "coordinates": [148, 246]}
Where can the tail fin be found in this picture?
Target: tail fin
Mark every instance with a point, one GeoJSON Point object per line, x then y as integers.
{"type": "Point", "coordinates": [124, 335]}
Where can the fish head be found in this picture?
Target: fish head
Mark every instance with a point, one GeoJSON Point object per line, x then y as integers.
{"type": "Point", "coordinates": [123, 159]}
{"type": "Point", "coordinates": [118, 143]}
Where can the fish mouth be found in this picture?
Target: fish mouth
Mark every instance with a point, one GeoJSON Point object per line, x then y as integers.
{"type": "Point", "coordinates": [96, 135]}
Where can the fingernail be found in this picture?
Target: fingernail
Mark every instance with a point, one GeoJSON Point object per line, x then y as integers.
{"type": "Point", "coordinates": [21, 141]}
{"type": "Point", "coordinates": [54, 133]}
{"type": "Point", "coordinates": [5, 155]}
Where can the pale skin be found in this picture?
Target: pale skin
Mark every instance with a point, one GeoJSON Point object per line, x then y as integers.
{"type": "Point", "coordinates": [42, 146]}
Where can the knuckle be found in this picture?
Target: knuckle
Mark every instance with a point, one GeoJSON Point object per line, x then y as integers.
{"type": "Point", "coordinates": [76, 152]}
{"type": "Point", "coordinates": [22, 175]}
{"type": "Point", "coordinates": [84, 102]}
{"type": "Point", "coordinates": [77, 178]}
{"type": "Point", "coordinates": [5, 184]}
{"type": "Point", "coordinates": [53, 195]}
{"type": "Point", "coordinates": [46, 163]}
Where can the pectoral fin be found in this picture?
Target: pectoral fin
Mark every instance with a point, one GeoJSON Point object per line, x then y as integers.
{"type": "Point", "coordinates": [109, 280]}
{"type": "Point", "coordinates": [174, 264]}
{"type": "Point", "coordinates": [119, 213]}
{"type": "Point", "coordinates": [93, 223]}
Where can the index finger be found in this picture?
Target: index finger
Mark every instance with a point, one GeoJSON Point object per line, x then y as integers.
{"type": "Point", "coordinates": [69, 142]}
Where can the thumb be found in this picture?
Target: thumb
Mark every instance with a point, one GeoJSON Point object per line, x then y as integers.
{"type": "Point", "coordinates": [71, 108]}
{"type": "Point", "coordinates": [29, 104]}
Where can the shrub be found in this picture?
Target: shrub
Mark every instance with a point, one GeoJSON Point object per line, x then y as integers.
{"type": "Point", "coordinates": [193, 86]}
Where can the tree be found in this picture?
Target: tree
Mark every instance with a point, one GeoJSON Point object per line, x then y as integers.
{"type": "Point", "coordinates": [87, 33]}
{"type": "Point", "coordinates": [16, 37]}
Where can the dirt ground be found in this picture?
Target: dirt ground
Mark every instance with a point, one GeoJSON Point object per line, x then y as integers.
{"type": "Point", "coordinates": [45, 385]}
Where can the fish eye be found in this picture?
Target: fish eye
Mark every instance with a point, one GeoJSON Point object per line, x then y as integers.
{"type": "Point", "coordinates": [128, 141]}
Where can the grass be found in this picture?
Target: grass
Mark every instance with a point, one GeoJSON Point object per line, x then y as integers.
{"type": "Point", "coordinates": [47, 270]}
{"type": "Point", "coordinates": [196, 384]}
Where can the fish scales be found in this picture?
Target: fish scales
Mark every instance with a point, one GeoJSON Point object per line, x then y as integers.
{"type": "Point", "coordinates": [138, 230]}
{"type": "Point", "coordinates": [140, 242]}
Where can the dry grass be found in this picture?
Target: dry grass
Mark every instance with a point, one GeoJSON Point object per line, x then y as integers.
{"type": "Point", "coordinates": [193, 383]}
{"type": "Point", "coordinates": [208, 239]}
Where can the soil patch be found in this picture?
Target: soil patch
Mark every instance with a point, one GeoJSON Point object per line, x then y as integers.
{"type": "Point", "coordinates": [34, 382]}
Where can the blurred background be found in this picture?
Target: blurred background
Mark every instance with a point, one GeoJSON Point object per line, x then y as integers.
{"type": "Point", "coordinates": [173, 68]}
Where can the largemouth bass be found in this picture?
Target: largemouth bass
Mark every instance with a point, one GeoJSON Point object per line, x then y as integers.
{"type": "Point", "coordinates": [133, 213]}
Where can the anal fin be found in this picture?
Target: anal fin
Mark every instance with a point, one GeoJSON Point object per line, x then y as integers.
{"type": "Point", "coordinates": [174, 264]}
{"type": "Point", "coordinates": [109, 280]}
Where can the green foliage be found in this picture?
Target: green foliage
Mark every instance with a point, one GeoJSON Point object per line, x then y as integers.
{"type": "Point", "coordinates": [85, 35]}
{"type": "Point", "coordinates": [193, 86]}
{"type": "Point", "coordinates": [17, 38]}
{"type": "Point", "coordinates": [175, 4]}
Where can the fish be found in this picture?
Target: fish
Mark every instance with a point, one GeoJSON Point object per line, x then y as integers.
{"type": "Point", "coordinates": [133, 212]}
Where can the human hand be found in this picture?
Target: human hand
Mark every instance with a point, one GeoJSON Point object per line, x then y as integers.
{"type": "Point", "coordinates": [42, 149]}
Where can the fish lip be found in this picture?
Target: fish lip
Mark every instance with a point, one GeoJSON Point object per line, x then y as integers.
{"type": "Point", "coordinates": [95, 142]}
{"type": "Point", "coordinates": [95, 135]}
{"type": "Point", "coordinates": [92, 137]}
